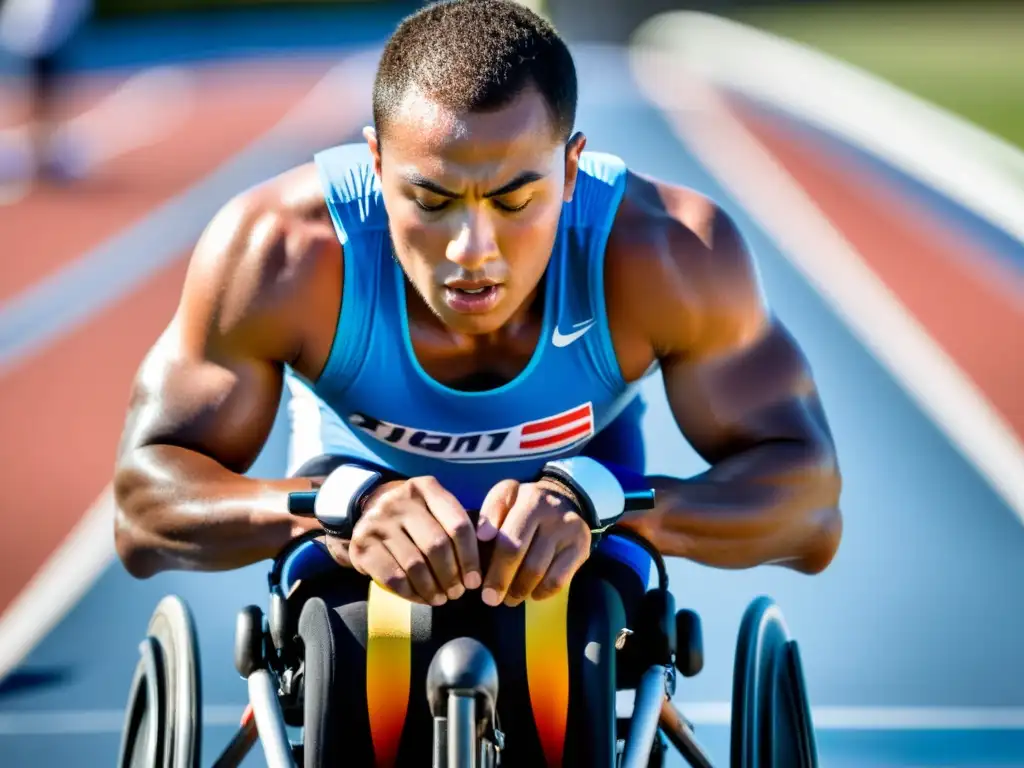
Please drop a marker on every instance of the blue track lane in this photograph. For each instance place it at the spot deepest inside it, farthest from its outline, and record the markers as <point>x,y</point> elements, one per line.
<point>920,608</point>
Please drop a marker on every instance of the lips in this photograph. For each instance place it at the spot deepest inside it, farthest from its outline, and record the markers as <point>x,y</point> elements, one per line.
<point>469,297</point>
<point>470,286</point>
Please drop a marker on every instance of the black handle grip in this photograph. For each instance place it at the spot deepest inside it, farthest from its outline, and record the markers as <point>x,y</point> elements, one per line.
<point>302,503</point>
<point>639,501</point>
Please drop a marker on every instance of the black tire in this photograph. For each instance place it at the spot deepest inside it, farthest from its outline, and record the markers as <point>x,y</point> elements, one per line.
<point>163,717</point>
<point>771,718</point>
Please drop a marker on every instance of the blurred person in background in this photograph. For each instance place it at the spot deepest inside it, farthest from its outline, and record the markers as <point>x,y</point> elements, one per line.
<point>37,32</point>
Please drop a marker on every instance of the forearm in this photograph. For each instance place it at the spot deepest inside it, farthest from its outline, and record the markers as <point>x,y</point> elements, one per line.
<point>776,503</point>
<point>180,510</point>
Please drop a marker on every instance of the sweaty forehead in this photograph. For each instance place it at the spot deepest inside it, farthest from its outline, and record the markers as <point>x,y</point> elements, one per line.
<point>437,139</point>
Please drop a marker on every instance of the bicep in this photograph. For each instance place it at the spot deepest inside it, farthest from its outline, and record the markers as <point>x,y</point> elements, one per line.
<point>220,406</point>
<point>737,378</point>
<point>212,381</point>
<point>760,391</point>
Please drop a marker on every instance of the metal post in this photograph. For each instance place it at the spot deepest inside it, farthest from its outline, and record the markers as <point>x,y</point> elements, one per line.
<point>643,726</point>
<point>674,725</point>
<point>269,720</point>
<point>462,745</point>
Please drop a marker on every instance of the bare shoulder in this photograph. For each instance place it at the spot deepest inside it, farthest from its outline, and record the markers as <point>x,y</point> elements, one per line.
<point>678,272</point>
<point>212,381</point>
<point>266,259</point>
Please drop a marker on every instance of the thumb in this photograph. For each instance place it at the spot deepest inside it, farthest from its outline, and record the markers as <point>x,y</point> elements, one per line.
<point>496,505</point>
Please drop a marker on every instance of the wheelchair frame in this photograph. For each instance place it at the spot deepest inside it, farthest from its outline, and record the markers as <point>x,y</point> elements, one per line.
<point>771,725</point>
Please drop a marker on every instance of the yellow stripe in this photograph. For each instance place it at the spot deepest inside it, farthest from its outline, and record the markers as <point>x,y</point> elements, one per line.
<point>388,669</point>
<point>547,671</point>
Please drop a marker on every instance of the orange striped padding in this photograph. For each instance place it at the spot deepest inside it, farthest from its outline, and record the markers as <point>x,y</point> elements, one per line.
<point>547,671</point>
<point>388,670</point>
<point>389,666</point>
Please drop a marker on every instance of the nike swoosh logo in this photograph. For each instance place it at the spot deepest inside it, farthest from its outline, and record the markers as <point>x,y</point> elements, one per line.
<point>560,339</point>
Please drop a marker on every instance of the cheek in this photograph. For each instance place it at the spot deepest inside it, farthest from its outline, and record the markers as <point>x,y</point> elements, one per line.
<point>417,246</point>
<point>530,241</point>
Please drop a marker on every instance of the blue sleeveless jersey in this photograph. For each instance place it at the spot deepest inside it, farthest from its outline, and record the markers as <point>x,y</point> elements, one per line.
<point>374,401</point>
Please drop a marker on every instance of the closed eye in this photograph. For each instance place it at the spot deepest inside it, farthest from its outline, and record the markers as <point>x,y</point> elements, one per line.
<point>443,204</point>
<point>511,208</point>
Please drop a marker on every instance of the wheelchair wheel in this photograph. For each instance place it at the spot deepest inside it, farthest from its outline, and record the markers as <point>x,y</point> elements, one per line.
<point>771,718</point>
<point>163,716</point>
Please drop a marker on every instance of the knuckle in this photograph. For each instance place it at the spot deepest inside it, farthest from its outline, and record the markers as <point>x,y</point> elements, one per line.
<point>507,547</point>
<point>417,569</point>
<point>426,483</point>
<point>518,592</point>
<point>396,583</point>
<point>555,585</point>
<point>529,574</point>
<point>539,593</point>
<point>507,490</point>
<point>462,530</point>
<point>534,493</point>
<point>437,548</point>
<point>381,508</point>
<point>359,544</point>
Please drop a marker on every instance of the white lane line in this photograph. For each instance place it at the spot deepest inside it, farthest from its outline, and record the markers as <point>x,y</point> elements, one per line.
<point>53,306</point>
<point>81,721</point>
<point>710,713</point>
<point>59,584</point>
<point>977,169</point>
<point>784,210</point>
<point>868,718</point>
<point>45,311</point>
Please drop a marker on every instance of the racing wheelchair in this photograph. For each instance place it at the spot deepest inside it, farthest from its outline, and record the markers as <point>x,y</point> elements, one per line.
<point>290,676</point>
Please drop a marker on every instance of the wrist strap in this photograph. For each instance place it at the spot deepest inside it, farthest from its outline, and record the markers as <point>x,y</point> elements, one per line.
<point>339,501</point>
<point>599,492</point>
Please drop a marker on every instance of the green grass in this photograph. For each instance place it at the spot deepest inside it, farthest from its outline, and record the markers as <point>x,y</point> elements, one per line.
<point>967,59</point>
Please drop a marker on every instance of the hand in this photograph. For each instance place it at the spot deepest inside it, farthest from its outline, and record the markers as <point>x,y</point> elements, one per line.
<point>415,539</point>
<point>540,541</point>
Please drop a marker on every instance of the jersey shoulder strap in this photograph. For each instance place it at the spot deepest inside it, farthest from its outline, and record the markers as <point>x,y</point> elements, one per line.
<point>351,189</point>
<point>356,206</point>
<point>600,185</point>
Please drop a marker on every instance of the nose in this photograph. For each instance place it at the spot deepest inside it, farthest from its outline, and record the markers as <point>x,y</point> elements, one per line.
<point>474,243</point>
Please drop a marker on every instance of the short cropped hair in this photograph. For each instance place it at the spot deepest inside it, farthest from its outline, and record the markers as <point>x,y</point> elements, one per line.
<point>476,56</point>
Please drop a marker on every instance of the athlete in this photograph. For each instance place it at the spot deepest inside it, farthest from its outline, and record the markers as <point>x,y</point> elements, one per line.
<point>38,32</point>
<point>459,303</point>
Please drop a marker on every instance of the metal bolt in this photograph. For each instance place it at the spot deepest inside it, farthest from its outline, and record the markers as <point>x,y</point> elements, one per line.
<point>620,640</point>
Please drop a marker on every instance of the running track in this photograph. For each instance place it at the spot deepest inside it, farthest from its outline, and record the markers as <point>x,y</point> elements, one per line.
<point>920,611</point>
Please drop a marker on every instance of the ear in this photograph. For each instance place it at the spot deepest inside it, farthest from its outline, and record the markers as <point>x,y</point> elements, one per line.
<point>374,144</point>
<point>573,151</point>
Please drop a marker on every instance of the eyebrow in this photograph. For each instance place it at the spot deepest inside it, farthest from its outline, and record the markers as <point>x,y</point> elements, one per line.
<point>527,177</point>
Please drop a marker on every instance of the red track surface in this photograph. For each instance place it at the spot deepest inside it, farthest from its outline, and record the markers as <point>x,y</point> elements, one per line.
<point>59,442</point>
<point>50,227</point>
<point>955,289</point>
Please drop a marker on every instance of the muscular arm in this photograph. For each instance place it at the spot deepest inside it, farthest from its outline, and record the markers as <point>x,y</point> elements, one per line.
<point>742,394</point>
<point>205,399</point>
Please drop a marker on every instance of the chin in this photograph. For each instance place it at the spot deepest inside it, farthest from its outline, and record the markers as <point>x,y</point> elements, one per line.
<point>472,324</point>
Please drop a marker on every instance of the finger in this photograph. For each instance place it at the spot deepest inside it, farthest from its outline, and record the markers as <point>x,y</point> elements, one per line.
<point>499,500</point>
<point>376,561</point>
<point>532,570</point>
<point>432,541</point>
<point>454,519</point>
<point>563,567</point>
<point>510,547</point>
<point>412,561</point>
